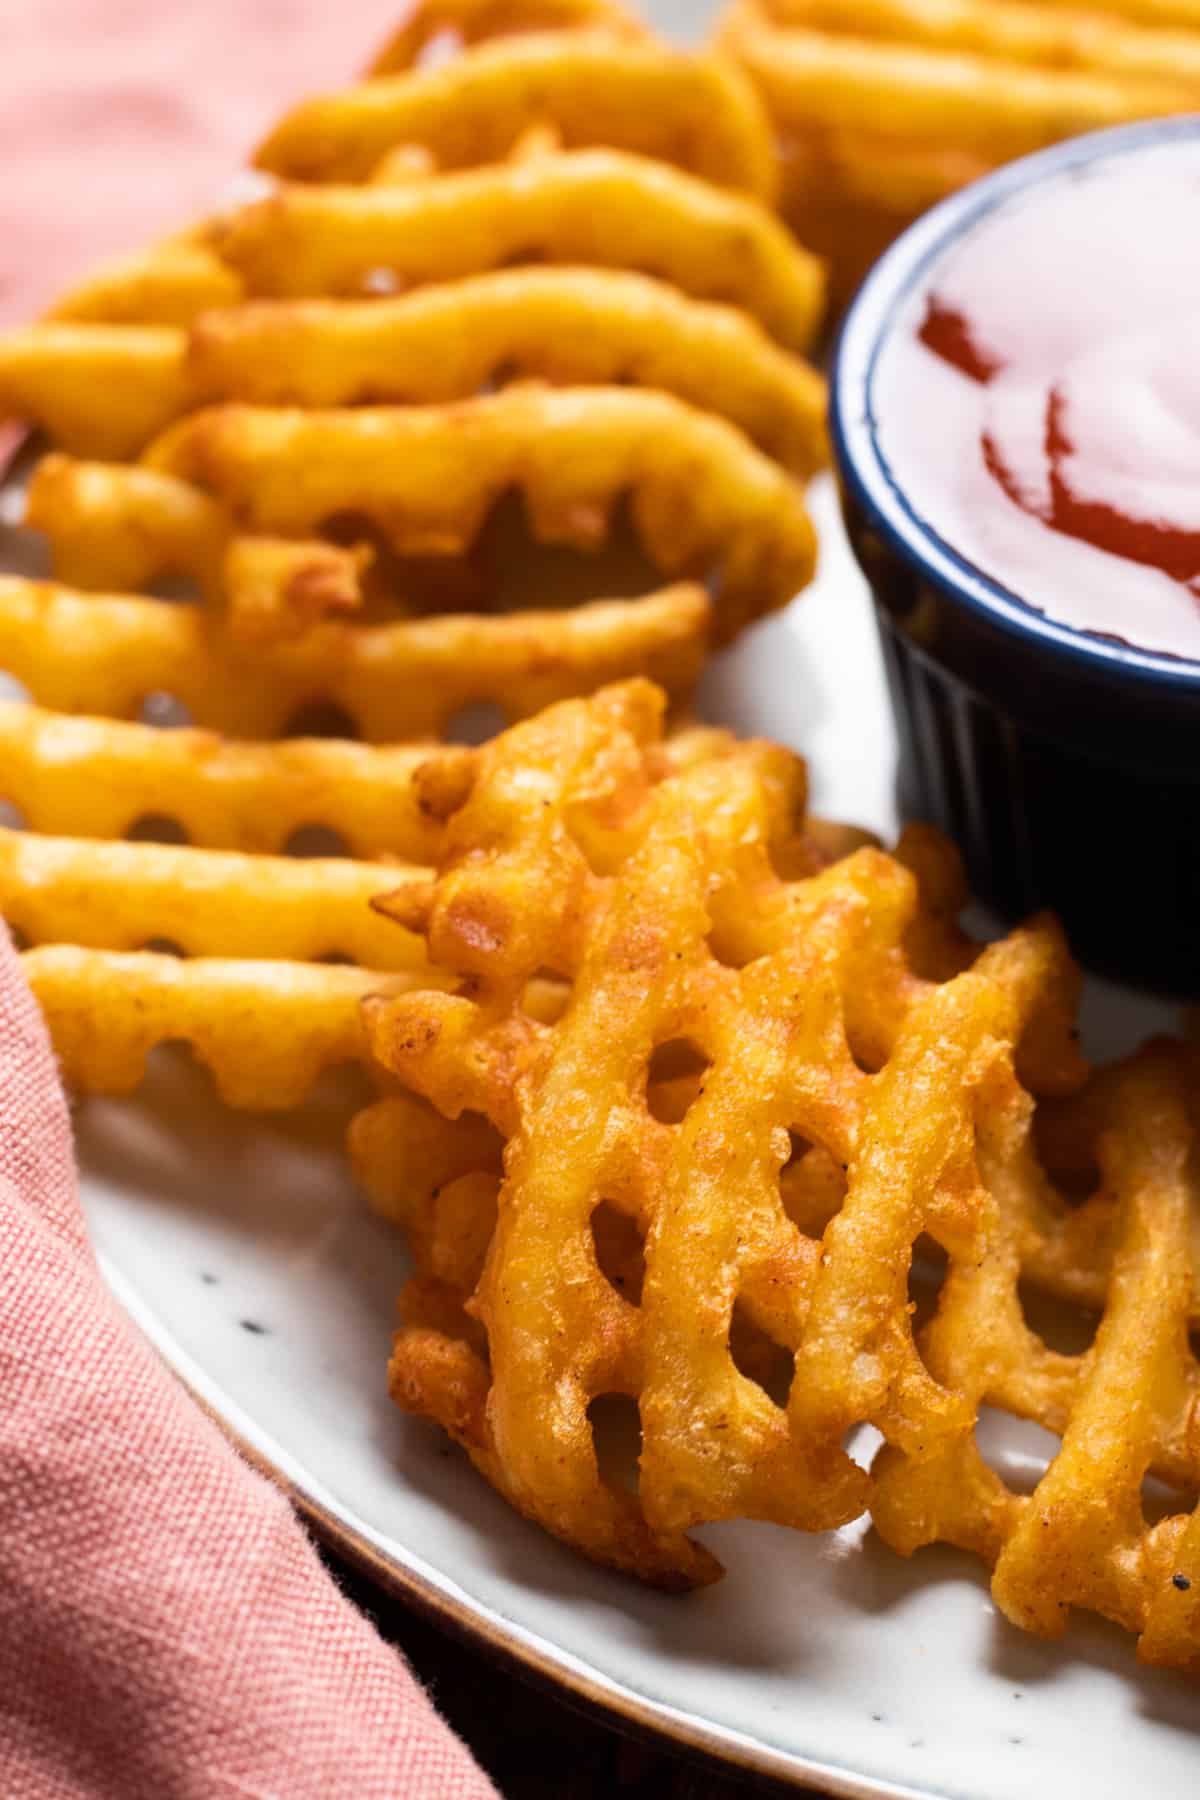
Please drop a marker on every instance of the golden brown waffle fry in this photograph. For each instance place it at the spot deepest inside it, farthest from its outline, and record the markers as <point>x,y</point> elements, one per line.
<point>913,1172</point>
<point>1081,1538</point>
<point>107,654</point>
<point>99,778</point>
<point>604,208</point>
<point>657,897</point>
<point>442,23</point>
<point>701,499</point>
<point>592,87</point>
<point>116,896</point>
<point>266,1030</point>
<point>564,326</point>
<point>438,1178</point>
<point>906,1084</point>
<point>882,109</point>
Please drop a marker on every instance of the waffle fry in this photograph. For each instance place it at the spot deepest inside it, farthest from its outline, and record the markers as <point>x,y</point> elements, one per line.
<point>701,497</point>
<point>562,326</point>
<point>106,654</point>
<point>265,1030</point>
<point>169,284</point>
<point>883,109</point>
<point>1081,1538</point>
<point>590,87</point>
<point>501,134</point>
<point>100,778</point>
<point>659,904</point>
<point>119,527</point>
<point>567,327</point>
<point>1063,36</point>
<point>117,896</point>
<point>602,208</point>
<point>657,898</point>
<point>113,526</point>
<point>438,1179</point>
<point>102,390</point>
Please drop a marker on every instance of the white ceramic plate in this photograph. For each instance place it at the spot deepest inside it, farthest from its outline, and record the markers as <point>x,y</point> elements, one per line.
<point>243,1251</point>
<point>241,1248</point>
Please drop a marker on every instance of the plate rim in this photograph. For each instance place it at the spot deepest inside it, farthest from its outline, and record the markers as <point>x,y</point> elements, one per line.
<point>515,1647</point>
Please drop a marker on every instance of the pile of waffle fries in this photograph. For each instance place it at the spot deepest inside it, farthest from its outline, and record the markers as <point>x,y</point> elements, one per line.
<point>773,1072</point>
<point>532,257</point>
<point>883,107</point>
<point>675,1084</point>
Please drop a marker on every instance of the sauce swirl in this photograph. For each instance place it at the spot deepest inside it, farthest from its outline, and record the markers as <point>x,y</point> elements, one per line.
<point>1039,398</point>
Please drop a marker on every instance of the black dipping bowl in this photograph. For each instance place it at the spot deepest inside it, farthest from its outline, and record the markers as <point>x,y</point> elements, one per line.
<point>1066,765</point>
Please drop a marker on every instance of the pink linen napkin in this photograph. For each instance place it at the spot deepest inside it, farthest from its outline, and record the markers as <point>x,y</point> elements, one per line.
<point>165,1626</point>
<point>121,120</point>
<point>166,1630</point>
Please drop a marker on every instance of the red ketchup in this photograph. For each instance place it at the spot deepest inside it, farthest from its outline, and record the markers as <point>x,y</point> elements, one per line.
<point>1039,401</point>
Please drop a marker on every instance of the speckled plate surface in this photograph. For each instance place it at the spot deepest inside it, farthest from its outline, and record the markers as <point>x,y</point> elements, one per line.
<point>244,1252</point>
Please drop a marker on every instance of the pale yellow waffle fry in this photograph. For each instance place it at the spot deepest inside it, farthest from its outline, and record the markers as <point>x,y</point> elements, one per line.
<point>438,23</point>
<point>102,778</point>
<point>118,896</point>
<point>265,1030</point>
<point>592,87</point>
<point>113,525</point>
<point>447,342</point>
<point>564,326</point>
<point>884,108</point>
<point>648,162</point>
<point>1082,1537</point>
<point>110,654</point>
<point>168,284</point>
<point>578,852</point>
<point>996,110</point>
<point>621,153</point>
<point>702,500</point>
<point>100,390</point>
<point>604,208</point>
<point>1066,36</point>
